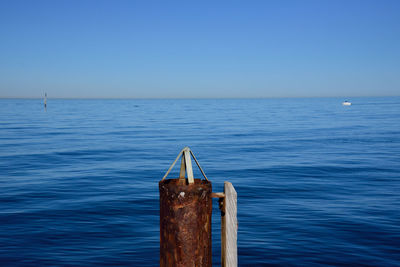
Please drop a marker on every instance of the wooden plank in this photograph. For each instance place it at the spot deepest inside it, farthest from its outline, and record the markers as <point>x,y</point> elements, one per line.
<point>189,168</point>
<point>183,168</point>
<point>229,227</point>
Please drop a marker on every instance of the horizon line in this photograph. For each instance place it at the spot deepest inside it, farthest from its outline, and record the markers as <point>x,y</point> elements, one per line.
<point>177,98</point>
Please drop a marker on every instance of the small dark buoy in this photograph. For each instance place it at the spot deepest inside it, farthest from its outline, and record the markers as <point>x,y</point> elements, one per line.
<point>45,100</point>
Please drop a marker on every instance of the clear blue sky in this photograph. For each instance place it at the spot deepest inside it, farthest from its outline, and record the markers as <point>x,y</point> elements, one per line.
<point>199,48</point>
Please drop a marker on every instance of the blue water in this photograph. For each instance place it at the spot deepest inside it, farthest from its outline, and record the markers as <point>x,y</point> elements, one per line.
<point>318,183</point>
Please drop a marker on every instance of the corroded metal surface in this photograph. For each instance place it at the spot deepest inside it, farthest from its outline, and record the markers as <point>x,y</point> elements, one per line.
<point>185,223</point>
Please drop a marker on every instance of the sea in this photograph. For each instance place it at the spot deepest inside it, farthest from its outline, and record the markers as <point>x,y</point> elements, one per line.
<point>318,183</point>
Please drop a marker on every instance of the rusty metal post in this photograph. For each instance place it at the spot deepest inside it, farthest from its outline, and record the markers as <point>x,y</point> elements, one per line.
<point>185,217</point>
<point>185,223</point>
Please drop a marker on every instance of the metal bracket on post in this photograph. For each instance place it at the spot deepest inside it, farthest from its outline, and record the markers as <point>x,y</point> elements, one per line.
<point>186,165</point>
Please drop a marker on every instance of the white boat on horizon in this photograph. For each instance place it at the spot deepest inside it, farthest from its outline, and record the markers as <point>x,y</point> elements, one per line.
<point>346,103</point>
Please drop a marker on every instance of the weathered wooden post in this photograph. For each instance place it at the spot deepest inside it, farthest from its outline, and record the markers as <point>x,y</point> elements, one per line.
<point>185,218</point>
<point>229,227</point>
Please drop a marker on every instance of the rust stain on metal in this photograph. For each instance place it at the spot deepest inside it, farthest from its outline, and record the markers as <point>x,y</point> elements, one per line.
<point>185,223</point>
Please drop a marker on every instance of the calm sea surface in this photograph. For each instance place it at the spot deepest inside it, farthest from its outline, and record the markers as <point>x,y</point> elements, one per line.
<point>318,183</point>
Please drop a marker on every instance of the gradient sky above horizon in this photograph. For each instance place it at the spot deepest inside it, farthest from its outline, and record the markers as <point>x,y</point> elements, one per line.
<point>194,49</point>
